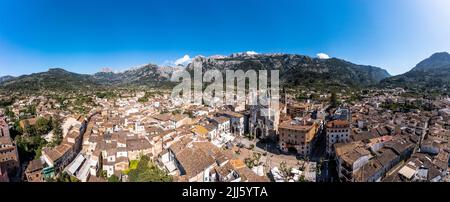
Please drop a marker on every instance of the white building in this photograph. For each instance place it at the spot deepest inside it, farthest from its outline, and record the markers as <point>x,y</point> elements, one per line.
<point>223,124</point>
<point>236,122</point>
<point>338,131</point>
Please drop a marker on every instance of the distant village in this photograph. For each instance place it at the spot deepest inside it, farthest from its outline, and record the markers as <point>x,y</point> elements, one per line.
<point>383,136</point>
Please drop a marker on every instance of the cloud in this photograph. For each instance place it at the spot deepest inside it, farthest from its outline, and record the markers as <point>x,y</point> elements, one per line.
<point>183,61</point>
<point>251,53</point>
<point>322,56</point>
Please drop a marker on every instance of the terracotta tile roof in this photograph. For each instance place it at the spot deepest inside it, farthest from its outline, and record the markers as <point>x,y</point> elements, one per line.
<point>194,161</point>
<point>338,123</point>
<point>57,152</point>
<point>138,144</point>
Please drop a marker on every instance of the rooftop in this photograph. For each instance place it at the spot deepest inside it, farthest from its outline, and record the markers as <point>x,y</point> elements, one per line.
<point>57,152</point>
<point>338,124</point>
<point>294,125</point>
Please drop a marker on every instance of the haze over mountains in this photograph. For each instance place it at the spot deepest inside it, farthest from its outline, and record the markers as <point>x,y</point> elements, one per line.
<point>295,70</point>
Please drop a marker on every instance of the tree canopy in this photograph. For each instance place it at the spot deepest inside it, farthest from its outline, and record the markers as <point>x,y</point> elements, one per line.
<point>147,171</point>
<point>57,132</point>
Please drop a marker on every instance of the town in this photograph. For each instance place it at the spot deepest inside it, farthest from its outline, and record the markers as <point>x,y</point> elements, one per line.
<point>374,135</point>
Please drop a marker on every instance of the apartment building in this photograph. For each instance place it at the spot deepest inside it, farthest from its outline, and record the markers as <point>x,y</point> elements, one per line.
<point>298,135</point>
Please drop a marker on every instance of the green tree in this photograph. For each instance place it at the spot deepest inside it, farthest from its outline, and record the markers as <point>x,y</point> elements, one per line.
<point>190,114</point>
<point>302,178</point>
<point>38,152</point>
<point>103,174</point>
<point>113,178</point>
<point>64,177</point>
<point>143,99</point>
<point>30,146</point>
<point>285,170</point>
<point>6,102</point>
<point>29,130</point>
<point>333,100</point>
<point>43,126</point>
<point>57,132</point>
<point>147,171</point>
<point>107,95</point>
<point>314,96</point>
<point>49,179</point>
<point>253,161</point>
<point>31,109</point>
<point>9,113</point>
<point>15,130</point>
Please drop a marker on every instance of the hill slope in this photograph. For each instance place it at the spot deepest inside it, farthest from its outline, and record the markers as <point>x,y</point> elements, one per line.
<point>430,74</point>
<point>5,79</point>
<point>299,70</point>
<point>55,78</point>
<point>295,70</point>
<point>145,75</point>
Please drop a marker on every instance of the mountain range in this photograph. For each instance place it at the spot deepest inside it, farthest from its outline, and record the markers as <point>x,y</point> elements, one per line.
<point>60,79</point>
<point>298,70</point>
<point>145,75</point>
<point>430,74</point>
<point>295,70</point>
<point>6,78</point>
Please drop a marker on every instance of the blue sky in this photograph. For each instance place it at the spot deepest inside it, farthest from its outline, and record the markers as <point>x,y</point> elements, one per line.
<point>85,36</point>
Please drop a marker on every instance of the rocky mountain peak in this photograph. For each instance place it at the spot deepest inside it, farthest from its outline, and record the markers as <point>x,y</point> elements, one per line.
<point>435,61</point>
